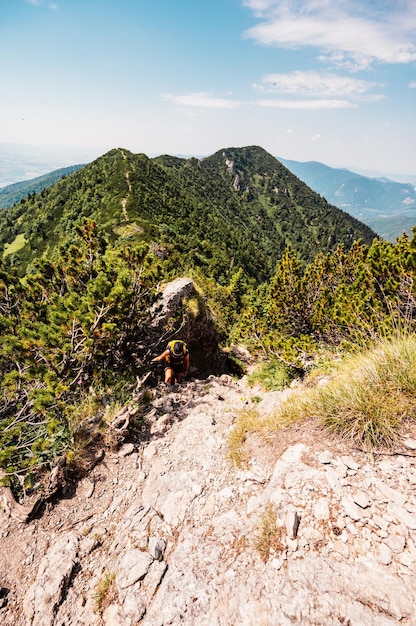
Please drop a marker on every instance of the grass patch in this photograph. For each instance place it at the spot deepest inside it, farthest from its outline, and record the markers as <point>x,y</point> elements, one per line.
<point>15,246</point>
<point>268,538</point>
<point>367,399</point>
<point>272,376</point>
<point>247,421</point>
<point>105,593</point>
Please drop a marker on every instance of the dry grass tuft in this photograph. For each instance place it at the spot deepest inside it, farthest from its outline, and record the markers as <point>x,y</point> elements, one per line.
<point>367,400</point>
<point>247,421</point>
<point>106,592</point>
<point>268,538</point>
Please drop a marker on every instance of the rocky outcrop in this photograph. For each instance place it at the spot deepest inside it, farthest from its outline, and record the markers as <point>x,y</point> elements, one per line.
<point>181,313</point>
<point>166,531</point>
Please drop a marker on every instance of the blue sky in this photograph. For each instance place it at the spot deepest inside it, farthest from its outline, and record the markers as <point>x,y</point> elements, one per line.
<point>326,80</point>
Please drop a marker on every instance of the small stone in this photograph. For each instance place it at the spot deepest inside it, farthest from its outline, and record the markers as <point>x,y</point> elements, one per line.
<point>400,514</point>
<point>406,559</point>
<point>341,470</point>
<point>321,509</point>
<point>395,542</point>
<point>276,563</point>
<point>385,555</point>
<point>361,499</point>
<point>292,521</point>
<point>325,457</point>
<point>341,548</point>
<point>350,463</point>
<point>126,449</point>
<point>386,467</point>
<point>332,478</point>
<point>391,495</point>
<point>410,443</point>
<point>380,521</point>
<point>157,547</point>
<point>352,529</point>
<point>351,509</point>
<point>133,566</point>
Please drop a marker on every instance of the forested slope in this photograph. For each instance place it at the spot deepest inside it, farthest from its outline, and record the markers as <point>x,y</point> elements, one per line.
<point>239,207</point>
<point>11,194</point>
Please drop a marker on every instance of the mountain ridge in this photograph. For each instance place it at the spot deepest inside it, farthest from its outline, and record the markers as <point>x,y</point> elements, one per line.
<point>257,206</point>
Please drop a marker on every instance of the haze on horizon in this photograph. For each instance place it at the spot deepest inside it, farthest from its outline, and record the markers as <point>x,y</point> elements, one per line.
<point>324,80</point>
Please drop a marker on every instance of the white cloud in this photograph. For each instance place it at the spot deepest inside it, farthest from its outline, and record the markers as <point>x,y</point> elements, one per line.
<point>306,104</point>
<point>315,91</point>
<point>314,84</point>
<point>40,3</point>
<point>412,84</point>
<point>347,33</point>
<point>201,99</point>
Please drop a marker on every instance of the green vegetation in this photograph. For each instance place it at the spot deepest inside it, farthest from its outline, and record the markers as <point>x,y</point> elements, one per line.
<point>341,299</point>
<point>205,215</point>
<point>368,398</point>
<point>273,375</point>
<point>15,246</point>
<point>282,271</point>
<point>106,592</point>
<point>67,328</point>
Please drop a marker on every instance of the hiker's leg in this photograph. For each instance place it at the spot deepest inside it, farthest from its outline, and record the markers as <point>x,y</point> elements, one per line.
<point>169,376</point>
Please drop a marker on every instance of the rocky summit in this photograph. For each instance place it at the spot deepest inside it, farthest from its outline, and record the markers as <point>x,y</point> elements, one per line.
<point>167,531</point>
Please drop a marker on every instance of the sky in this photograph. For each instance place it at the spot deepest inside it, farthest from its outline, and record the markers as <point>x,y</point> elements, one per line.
<point>332,81</point>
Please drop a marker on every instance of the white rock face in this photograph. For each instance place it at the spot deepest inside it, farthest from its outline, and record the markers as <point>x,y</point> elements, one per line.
<point>168,533</point>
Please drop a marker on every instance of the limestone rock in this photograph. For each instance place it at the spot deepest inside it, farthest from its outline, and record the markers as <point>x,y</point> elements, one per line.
<point>133,566</point>
<point>45,595</point>
<point>175,534</point>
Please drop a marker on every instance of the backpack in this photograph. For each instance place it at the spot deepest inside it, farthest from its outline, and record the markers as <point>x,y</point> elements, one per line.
<point>177,358</point>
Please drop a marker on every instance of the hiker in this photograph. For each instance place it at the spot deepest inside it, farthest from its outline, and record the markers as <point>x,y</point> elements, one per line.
<point>176,357</point>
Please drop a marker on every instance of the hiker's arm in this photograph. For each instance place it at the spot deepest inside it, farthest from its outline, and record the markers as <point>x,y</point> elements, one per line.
<point>186,364</point>
<point>161,356</point>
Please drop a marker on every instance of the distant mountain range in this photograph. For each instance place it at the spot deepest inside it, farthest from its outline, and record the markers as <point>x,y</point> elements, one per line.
<point>11,194</point>
<point>388,207</point>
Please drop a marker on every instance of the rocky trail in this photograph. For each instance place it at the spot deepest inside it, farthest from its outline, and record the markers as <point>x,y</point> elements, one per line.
<point>163,530</point>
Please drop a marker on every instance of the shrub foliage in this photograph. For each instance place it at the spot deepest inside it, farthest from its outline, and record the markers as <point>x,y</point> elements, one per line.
<point>70,325</point>
<point>283,272</point>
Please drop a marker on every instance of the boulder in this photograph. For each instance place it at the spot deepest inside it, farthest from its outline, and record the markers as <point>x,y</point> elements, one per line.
<point>182,313</point>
